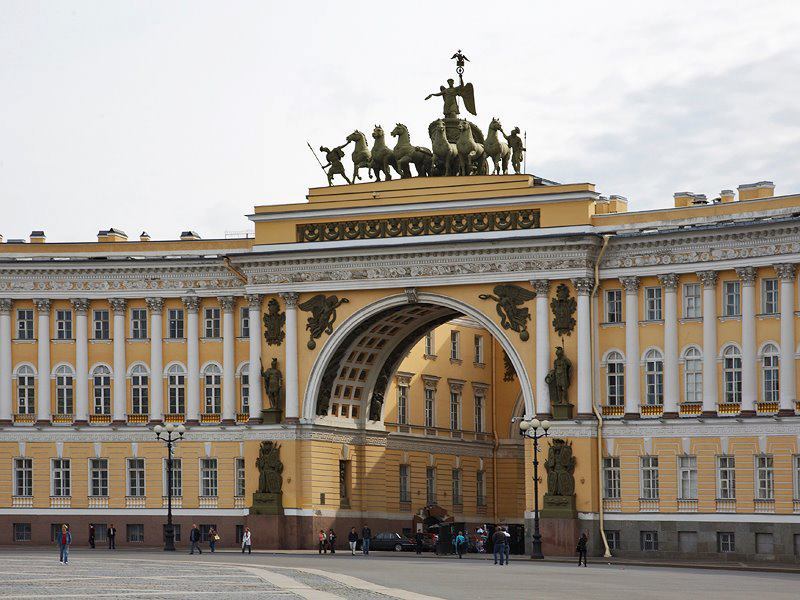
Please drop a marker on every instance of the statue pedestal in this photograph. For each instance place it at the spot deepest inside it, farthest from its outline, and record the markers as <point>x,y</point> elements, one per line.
<point>559,507</point>
<point>271,416</point>
<point>561,412</point>
<point>267,504</point>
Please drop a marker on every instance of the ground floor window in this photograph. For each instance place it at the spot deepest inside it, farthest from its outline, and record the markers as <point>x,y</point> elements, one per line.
<point>239,533</point>
<point>204,529</point>
<point>176,532</point>
<point>22,532</point>
<point>648,541</point>
<point>135,532</point>
<point>612,537</point>
<point>726,541</point>
<point>100,532</point>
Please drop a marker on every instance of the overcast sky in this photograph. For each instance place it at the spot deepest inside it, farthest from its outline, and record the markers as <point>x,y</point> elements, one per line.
<point>165,116</point>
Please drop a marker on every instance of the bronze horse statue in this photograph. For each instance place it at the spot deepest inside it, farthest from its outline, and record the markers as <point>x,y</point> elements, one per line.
<point>405,154</point>
<point>361,156</point>
<point>445,153</point>
<point>495,148</point>
<point>471,154</point>
<point>382,155</point>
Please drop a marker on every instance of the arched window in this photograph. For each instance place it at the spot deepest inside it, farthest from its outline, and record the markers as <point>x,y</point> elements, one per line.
<point>212,376</point>
<point>615,372</point>
<point>732,374</point>
<point>693,375</point>
<point>244,388</point>
<point>140,390</point>
<point>65,378</point>
<point>654,377</point>
<point>176,389</point>
<point>26,390</point>
<point>101,381</point>
<point>769,362</point>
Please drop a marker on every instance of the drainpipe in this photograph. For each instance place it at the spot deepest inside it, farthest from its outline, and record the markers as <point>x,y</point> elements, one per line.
<point>496,442</point>
<point>595,407</point>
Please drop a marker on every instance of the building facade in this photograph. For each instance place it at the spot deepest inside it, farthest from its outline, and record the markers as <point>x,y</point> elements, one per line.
<point>402,375</point>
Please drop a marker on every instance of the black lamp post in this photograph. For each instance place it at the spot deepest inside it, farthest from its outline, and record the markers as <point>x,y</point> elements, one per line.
<point>530,429</point>
<point>169,434</point>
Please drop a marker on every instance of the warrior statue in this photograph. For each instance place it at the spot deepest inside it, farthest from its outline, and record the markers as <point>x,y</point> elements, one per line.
<point>517,149</point>
<point>273,383</point>
<point>558,379</point>
<point>334,158</point>
<point>270,468</point>
<point>560,466</point>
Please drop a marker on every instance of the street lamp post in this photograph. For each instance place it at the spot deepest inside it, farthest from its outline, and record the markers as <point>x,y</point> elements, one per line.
<point>169,434</point>
<point>530,429</point>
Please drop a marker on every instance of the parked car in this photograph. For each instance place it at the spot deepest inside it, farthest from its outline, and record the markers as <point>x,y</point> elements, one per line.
<point>386,540</point>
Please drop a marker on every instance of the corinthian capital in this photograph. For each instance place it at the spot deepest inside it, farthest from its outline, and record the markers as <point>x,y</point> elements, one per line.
<point>541,286</point>
<point>155,305</point>
<point>227,303</point>
<point>254,300</point>
<point>42,305</point>
<point>290,298</point>
<point>747,275</point>
<point>118,305</point>
<point>669,281</point>
<point>192,303</point>
<point>5,305</point>
<point>583,285</point>
<point>709,278</point>
<point>81,305</point>
<point>630,283</point>
<point>786,271</point>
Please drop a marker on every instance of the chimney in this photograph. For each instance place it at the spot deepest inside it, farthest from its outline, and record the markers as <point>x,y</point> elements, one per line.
<point>37,237</point>
<point>144,237</point>
<point>617,204</point>
<point>683,199</point>
<point>726,196</point>
<point>601,206</point>
<point>755,191</point>
<point>111,235</point>
<point>187,236</point>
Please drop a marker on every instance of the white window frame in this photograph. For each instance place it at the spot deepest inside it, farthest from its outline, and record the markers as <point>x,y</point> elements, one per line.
<point>176,389</point>
<point>244,321</point>
<point>648,477</point>
<point>101,390</point>
<point>648,541</point>
<point>687,477</point>
<point>770,296</point>
<point>479,358</point>
<point>26,390</point>
<point>98,477</point>
<point>240,473</point>
<point>726,541</point>
<point>654,377</point>
<point>176,324</point>
<point>764,477</point>
<point>101,324</point>
<point>23,477</point>
<point>402,404</point>
<point>455,410</point>
<point>25,324</point>
<point>60,477</point>
<point>692,301</point>
<point>732,375</point>
<point>693,375</point>
<point>209,477</point>
<point>480,397</point>
<point>612,478</point>
<point>138,323</point>
<point>212,318</point>
<point>455,345</point>
<point>654,302</point>
<point>177,477</point>
<point>212,389</point>
<point>726,477</point>
<point>64,330</point>
<point>615,379</point>
<point>430,407</point>
<point>614,305</point>
<point>731,298</point>
<point>135,479</point>
<point>430,344</point>
<point>770,373</point>
<point>244,388</point>
<point>140,390</point>
<point>65,390</point>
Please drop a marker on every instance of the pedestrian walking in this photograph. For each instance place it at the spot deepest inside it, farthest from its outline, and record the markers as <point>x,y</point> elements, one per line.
<point>366,538</point>
<point>112,537</point>
<point>352,539</point>
<point>581,548</point>
<point>419,541</point>
<point>64,541</point>
<point>332,540</point>
<point>213,538</point>
<point>323,542</point>
<point>499,545</point>
<point>461,543</point>
<point>246,541</point>
<point>91,536</point>
<point>508,542</point>
<point>194,540</point>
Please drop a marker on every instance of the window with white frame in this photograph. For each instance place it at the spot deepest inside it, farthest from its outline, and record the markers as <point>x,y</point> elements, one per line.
<point>693,375</point>
<point>654,377</point>
<point>732,374</point>
<point>687,478</point>
<point>136,477</point>
<point>615,379</point>
<point>649,475</point>
<point>770,297</point>
<point>731,299</point>
<point>208,476</point>
<point>726,541</point>
<point>25,324</point>
<point>614,306</point>
<point>480,480</point>
<point>769,363</point>
<point>405,483</point>
<point>101,324</point>
<point>765,478</point>
<point>479,402</point>
<point>177,477</point>
<point>63,324</point>
<point>134,532</point>
<point>648,541</point>
<point>23,477</point>
<point>653,303</point>
<point>726,478</point>
<point>98,477</point>
<point>796,476</point>
<point>176,389</point>
<point>140,381</point>
<point>430,348</point>
<point>22,532</point>
<point>479,349</point>
<point>455,345</point>
<point>139,323</point>
<point>240,477</point>
<point>455,409</point>
<point>244,322</point>
<point>430,485</point>
<point>613,539</point>
<point>692,303</point>
<point>402,404</point>
<point>65,378</point>
<point>212,379</point>
<point>244,387</point>
<point>101,387</point>
<point>26,390</point>
<point>430,400</point>
<point>60,480</point>
<point>212,322</point>
<point>175,323</point>
<point>611,478</point>
<point>456,487</point>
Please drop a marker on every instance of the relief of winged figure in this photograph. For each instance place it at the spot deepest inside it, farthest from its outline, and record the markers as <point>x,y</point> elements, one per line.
<point>323,315</point>
<point>513,315</point>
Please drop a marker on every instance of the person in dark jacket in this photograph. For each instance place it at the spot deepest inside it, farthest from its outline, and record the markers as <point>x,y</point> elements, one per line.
<point>194,539</point>
<point>332,540</point>
<point>112,537</point>
<point>419,541</point>
<point>213,538</point>
<point>91,536</point>
<point>581,548</point>
<point>366,538</point>
<point>352,539</point>
<point>499,545</point>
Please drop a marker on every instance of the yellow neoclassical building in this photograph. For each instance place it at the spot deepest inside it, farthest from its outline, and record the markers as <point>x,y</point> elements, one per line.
<point>413,326</point>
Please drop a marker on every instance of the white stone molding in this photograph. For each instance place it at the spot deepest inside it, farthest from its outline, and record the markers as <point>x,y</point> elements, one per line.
<point>80,305</point>
<point>290,299</point>
<point>254,356</point>
<point>584,287</point>
<point>228,359</point>
<point>669,281</point>
<point>42,305</point>
<point>192,304</point>
<point>43,359</point>
<point>118,305</point>
<point>254,301</point>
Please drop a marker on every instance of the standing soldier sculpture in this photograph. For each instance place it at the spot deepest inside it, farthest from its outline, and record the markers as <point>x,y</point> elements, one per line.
<point>517,148</point>
<point>273,383</point>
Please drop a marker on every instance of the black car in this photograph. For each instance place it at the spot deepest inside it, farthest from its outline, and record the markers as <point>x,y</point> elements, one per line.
<point>386,540</point>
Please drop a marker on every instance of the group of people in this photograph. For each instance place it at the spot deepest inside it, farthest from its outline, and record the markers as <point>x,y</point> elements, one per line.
<point>64,540</point>
<point>196,536</point>
<point>327,540</point>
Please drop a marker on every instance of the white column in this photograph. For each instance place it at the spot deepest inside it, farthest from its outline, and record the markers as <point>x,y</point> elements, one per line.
<point>542,289</point>
<point>747,275</point>
<point>192,304</point>
<point>710,349</point>
<point>43,358</point>
<point>583,288</point>
<point>228,303</point>
<point>254,308</point>
<point>292,410</point>
<point>81,308</point>
<point>120,404</point>
<point>671,351</point>
<point>6,397</point>
<point>156,308</point>
<point>787,382</point>
<point>632,374</point>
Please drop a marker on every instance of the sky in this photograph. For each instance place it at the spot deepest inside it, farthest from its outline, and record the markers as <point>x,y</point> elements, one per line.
<point>166,116</point>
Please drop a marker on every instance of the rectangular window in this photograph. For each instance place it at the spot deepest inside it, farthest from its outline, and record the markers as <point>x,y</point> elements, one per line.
<point>63,324</point>
<point>134,532</point>
<point>344,483</point>
<point>796,475</point>
<point>731,298</point>
<point>26,391</point>
<point>61,481</point>
<point>240,481</point>
<point>692,307</point>
<point>687,477</point>
<point>205,529</point>
<point>455,410</point>
<point>101,324</point>
<point>726,478</point>
<point>648,541</point>
<point>649,474</point>
<point>770,297</point>
<point>136,477</point>
<point>652,297</point>
<point>612,537</point>
<point>430,397</point>
<point>726,542</point>
<point>455,345</point>
<point>25,324</point>
<point>611,478</point>
<point>208,477</point>
<point>765,478</point>
<point>245,389</point>
<point>22,532</point>
<point>405,483</point>
<point>176,532</point>
<point>239,534</point>
<point>430,485</point>
<point>765,543</point>
<point>175,322</point>
<point>98,477</point>
<point>479,349</point>
<point>615,370</point>
<point>212,327</point>
<point>480,478</point>
<point>23,477</point>
<point>430,348</point>
<point>177,478</point>
<point>457,486</point>
<point>244,322</point>
<point>402,404</point>
<point>139,323</point>
<point>479,412</point>
<point>614,306</point>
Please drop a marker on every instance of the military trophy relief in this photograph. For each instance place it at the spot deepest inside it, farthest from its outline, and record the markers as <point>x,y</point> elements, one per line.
<point>559,500</point>
<point>558,379</point>
<point>268,499</point>
<point>323,316</point>
<point>458,146</point>
<point>274,321</point>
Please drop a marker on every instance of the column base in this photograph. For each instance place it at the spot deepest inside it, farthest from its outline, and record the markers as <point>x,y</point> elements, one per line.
<point>709,414</point>
<point>228,422</point>
<point>254,421</point>
<point>80,422</point>
<point>747,413</point>
<point>191,422</point>
<point>42,423</point>
<point>118,423</point>
<point>786,412</point>
<point>631,416</point>
<point>669,415</point>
